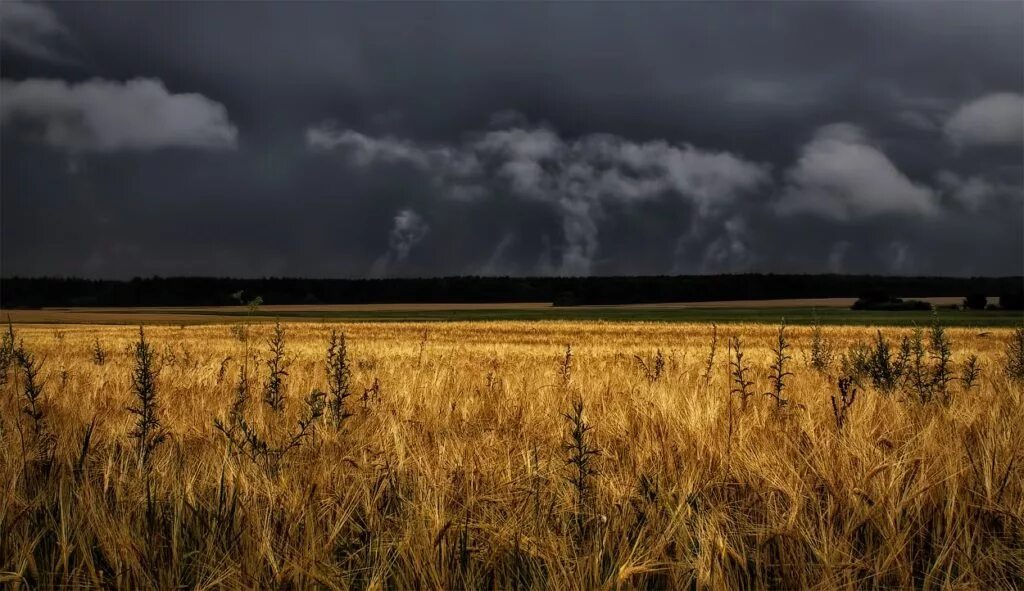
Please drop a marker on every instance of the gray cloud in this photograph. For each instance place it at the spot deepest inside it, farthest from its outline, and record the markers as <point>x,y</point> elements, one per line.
<point>495,262</point>
<point>33,29</point>
<point>917,120</point>
<point>408,231</point>
<point>730,251</point>
<point>899,255</point>
<point>837,255</point>
<point>994,119</point>
<point>976,192</point>
<point>578,177</point>
<point>106,116</point>
<point>449,168</point>
<point>841,175</point>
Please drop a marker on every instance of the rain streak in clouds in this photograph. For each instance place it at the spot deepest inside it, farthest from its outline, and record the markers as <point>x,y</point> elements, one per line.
<point>575,178</point>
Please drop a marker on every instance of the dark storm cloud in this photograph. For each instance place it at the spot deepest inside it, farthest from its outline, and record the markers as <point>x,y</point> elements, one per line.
<point>482,138</point>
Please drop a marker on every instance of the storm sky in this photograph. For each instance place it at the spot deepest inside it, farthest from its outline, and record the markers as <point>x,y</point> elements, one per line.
<point>407,139</point>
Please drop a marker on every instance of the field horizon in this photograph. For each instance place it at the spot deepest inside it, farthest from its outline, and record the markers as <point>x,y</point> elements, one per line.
<point>803,311</point>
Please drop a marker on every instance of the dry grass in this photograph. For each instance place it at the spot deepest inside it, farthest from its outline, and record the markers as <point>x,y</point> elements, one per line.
<point>454,474</point>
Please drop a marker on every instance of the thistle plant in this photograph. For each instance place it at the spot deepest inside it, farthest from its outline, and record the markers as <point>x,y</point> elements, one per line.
<point>582,453</point>
<point>855,362</point>
<point>245,439</point>
<point>886,368</point>
<point>918,378</point>
<point>339,377</point>
<point>971,373</point>
<point>99,355</point>
<point>778,369</point>
<point>148,431</point>
<point>738,370</point>
<point>565,369</point>
<point>929,368</point>
<point>32,392</point>
<point>259,445</point>
<point>315,404</point>
<point>273,388</point>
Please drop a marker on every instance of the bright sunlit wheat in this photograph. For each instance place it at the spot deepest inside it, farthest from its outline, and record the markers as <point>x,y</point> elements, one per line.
<point>451,463</point>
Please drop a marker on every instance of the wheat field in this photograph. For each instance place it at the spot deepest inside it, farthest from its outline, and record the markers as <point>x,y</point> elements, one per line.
<point>481,455</point>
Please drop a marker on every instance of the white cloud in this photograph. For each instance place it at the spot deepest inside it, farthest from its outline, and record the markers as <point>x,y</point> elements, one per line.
<point>32,29</point>
<point>840,175</point>
<point>576,176</point>
<point>995,119</point>
<point>106,116</point>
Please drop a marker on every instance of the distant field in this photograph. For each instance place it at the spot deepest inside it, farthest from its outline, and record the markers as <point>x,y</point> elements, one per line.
<point>795,311</point>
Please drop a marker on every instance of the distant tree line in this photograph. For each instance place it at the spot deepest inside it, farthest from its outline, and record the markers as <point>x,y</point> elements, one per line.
<point>21,292</point>
<point>889,303</point>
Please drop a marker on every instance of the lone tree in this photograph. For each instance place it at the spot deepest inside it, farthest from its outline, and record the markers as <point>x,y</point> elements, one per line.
<point>975,301</point>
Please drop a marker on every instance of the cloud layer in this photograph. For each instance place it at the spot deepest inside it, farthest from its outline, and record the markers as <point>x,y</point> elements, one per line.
<point>578,177</point>
<point>106,116</point>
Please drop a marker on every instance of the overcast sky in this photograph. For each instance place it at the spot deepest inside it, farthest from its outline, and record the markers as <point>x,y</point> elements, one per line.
<point>407,139</point>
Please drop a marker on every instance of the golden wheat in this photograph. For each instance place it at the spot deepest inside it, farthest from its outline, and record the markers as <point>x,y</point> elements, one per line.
<point>452,472</point>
